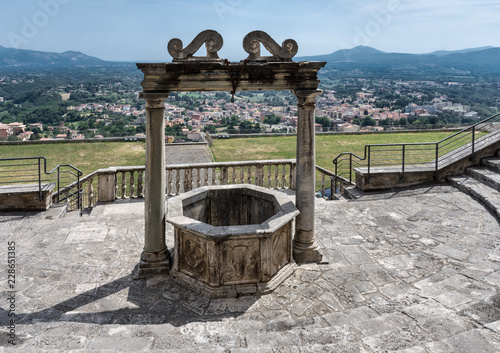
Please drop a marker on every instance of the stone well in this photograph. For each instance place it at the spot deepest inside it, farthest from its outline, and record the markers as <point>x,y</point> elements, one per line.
<point>232,240</point>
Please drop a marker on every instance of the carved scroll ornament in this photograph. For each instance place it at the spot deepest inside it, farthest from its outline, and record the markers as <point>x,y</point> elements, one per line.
<point>285,52</point>
<point>213,42</point>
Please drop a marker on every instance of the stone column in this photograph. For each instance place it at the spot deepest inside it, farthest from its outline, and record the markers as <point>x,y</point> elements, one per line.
<point>305,248</point>
<point>155,256</point>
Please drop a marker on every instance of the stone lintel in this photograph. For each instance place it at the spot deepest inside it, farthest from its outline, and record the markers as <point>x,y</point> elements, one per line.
<point>215,76</point>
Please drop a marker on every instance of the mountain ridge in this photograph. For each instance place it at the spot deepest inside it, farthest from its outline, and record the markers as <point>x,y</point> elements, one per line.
<point>361,58</point>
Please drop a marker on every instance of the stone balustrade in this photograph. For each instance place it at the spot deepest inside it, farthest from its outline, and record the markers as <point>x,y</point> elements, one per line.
<point>110,184</point>
<point>322,178</point>
<point>116,183</point>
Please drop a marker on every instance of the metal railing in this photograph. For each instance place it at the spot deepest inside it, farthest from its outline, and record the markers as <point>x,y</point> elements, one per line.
<point>401,157</point>
<point>17,173</point>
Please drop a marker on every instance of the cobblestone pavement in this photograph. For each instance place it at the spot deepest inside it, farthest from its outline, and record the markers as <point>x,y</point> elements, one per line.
<point>187,154</point>
<point>416,271</point>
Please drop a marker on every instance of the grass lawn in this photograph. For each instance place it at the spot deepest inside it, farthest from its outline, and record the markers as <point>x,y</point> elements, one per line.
<point>87,157</point>
<point>327,146</point>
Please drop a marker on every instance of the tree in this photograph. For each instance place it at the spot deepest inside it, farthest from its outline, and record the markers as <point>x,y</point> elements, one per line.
<point>324,121</point>
<point>12,138</point>
<point>210,129</point>
<point>368,121</point>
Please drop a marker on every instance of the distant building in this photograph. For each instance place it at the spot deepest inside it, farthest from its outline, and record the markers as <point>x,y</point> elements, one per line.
<point>17,127</point>
<point>194,136</point>
<point>5,131</point>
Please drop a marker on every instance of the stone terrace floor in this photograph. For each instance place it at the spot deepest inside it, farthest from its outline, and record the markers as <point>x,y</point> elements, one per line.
<point>413,271</point>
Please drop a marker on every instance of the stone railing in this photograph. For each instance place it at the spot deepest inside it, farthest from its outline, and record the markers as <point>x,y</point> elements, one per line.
<point>323,181</point>
<point>115,183</point>
<point>273,174</point>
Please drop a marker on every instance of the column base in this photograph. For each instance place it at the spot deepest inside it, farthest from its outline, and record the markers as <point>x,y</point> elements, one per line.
<point>306,253</point>
<point>152,264</point>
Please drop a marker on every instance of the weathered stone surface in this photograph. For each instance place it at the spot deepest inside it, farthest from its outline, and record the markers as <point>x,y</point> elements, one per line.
<point>26,197</point>
<point>82,296</point>
<point>232,240</point>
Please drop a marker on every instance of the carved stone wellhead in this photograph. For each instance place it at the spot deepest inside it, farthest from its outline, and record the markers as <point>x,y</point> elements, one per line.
<point>251,43</point>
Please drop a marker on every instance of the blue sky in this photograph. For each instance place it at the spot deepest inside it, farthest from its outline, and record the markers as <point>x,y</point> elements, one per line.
<point>126,30</point>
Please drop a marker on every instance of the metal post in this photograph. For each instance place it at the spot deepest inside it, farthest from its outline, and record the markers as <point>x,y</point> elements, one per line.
<point>403,161</point>
<point>437,160</point>
<point>58,186</point>
<point>350,168</point>
<point>39,181</point>
<point>336,175</point>
<point>473,142</point>
<point>369,156</point>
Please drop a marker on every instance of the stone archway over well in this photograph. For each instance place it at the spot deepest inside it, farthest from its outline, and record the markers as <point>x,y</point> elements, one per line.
<point>210,73</point>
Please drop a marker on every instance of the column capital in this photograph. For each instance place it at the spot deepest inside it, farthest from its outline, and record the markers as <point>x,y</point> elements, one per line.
<point>307,97</point>
<point>154,100</point>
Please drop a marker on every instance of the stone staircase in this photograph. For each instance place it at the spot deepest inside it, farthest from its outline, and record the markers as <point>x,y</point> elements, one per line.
<point>482,183</point>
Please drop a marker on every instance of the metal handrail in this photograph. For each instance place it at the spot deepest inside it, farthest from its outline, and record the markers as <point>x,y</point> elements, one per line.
<point>440,151</point>
<point>36,174</point>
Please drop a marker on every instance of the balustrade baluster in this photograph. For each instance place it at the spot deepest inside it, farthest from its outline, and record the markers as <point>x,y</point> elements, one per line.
<point>214,176</point>
<point>116,186</point>
<point>188,180</point>
<point>132,184</point>
<point>323,185</point>
<point>91,194</point>
<point>234,176</point>
<point>283,176</point>
<point>124,187</point>
<point>224,177</point>
<point>259,176</point>
<point>292,177</point>
<point>249,175</point>
<point>205,176</point>
<point>177,181</point>
<point>242,175</point>
<point>269,176</point>
<point>198,178</point>
<point>276,180</point>
<point>168,175</point>
<point>139,185</point>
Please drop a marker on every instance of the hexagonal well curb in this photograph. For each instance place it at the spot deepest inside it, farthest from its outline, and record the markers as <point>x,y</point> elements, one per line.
<point>232,240</point>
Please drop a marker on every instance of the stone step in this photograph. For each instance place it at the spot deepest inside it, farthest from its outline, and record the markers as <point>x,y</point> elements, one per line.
<point>480,191</point>
<point>493,163</point>
<point>56,210</point>
<point>353,192</point>
<point>486,175</point>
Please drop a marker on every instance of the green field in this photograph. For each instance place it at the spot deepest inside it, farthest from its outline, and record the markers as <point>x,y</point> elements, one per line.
<point>327,146</point>
<point>89,157</point>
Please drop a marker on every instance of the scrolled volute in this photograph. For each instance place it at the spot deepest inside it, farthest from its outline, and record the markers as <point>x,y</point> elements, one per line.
<point>285,52</point>
<point>213,43</point>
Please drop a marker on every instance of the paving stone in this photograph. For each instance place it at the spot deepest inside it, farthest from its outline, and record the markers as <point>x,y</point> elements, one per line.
<point>439,322</point>
<point>387,254</point>
<point>399,339</point>
<point>470,341</point>
<point>451,252</point>
<point>283,339</point>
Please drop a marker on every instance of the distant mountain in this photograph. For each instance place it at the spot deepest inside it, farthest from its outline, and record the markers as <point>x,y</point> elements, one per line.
<point>22,59</point>
<point>367,60</point>
<point>463,51</point>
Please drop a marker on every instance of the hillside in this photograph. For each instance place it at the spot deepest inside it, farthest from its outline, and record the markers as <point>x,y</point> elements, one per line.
<point>361,59</point>
<point>32,60</point>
